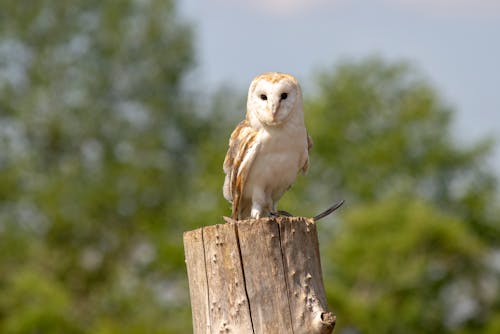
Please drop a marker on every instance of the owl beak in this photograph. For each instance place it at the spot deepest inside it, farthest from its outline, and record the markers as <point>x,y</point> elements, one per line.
<point>275,109</point>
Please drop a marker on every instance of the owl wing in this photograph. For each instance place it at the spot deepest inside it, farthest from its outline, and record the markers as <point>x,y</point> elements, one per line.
<point>309,146</point>
<point>243,148</point>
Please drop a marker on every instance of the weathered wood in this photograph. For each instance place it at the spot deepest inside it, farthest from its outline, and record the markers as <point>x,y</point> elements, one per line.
<point>198,285</point>
<point>228,304</point>
<point>257,276</point>
<point>303,268</point>
<point>264,276</point>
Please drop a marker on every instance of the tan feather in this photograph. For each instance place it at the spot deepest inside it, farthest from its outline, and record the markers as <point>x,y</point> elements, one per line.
<point>305,168</point>
<point>240,155</point>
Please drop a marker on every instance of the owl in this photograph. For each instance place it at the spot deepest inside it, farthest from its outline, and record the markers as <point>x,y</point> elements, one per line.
<point>268,149</point>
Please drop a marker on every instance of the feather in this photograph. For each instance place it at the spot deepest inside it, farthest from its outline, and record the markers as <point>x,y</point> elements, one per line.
<point>243,148</point>
<point>305,168</point>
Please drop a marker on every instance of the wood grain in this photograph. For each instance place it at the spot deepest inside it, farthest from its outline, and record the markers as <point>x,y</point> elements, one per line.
<point>228,303</point>
<point>257,276</point>
<point>198,285</point>
<point>301,259</point>
<point>264,276</point>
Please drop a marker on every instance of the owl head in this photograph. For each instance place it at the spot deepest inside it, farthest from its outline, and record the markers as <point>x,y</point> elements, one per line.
<point>273,98</point>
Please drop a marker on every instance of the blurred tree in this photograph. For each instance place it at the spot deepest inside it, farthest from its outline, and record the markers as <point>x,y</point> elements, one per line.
<point>400,266</point>
<point>96,156</point>
<point>381,127</point>
<point>416,249</point>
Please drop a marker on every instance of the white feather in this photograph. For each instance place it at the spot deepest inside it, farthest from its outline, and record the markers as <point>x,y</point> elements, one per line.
<point>276,145</point>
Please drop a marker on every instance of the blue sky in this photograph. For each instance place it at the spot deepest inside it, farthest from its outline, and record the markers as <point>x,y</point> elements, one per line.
<point>456,43</point>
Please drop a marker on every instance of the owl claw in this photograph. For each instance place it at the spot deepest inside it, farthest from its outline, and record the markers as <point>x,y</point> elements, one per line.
<point>255,213</point>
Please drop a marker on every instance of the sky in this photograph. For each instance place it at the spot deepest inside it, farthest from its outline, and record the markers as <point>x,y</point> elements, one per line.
<point>454,43</point>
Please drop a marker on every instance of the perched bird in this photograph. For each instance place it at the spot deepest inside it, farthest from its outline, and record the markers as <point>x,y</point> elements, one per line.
<point>268,149</point>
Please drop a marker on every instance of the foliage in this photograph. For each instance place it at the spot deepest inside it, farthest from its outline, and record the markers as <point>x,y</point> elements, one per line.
<point>94,128</point>
<point>400,270</point>
<point>411,252</point>
<point>106,158</point>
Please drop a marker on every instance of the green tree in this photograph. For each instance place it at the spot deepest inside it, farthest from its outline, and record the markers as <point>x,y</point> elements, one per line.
<point>421,221</point>
<point>94,129</point>
<point>400,265</point>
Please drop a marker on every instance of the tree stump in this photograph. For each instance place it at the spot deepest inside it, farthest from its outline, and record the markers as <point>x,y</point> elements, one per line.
<point>257,276</point>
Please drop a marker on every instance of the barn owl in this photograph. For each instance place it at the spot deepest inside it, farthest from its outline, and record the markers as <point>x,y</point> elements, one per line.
<point>268,149</point>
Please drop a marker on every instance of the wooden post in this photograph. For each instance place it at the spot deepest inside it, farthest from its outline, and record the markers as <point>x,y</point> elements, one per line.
<point>257,276</point>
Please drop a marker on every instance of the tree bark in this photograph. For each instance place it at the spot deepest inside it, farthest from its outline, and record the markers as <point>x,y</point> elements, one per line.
<point>257,276</point>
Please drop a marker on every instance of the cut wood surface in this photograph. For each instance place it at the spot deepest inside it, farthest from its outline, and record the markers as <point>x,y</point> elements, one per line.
<point>257,276</point>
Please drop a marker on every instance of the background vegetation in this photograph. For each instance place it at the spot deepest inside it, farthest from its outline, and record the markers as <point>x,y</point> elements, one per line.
<point>107,155</point>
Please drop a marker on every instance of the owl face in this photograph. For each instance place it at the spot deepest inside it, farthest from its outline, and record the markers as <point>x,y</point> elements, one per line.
<point>273,98</point>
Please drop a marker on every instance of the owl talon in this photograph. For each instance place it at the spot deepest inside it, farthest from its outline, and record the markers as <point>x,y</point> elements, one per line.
<point>255,213</point>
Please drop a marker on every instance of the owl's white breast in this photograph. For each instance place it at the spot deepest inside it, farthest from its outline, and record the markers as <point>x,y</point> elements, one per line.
<point>282,153</point>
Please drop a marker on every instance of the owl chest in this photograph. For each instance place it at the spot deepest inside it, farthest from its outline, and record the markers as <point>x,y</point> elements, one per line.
<point>279,159</point>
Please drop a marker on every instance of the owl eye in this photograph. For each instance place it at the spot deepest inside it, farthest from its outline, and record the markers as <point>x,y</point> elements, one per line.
<point>284,96</point>
<point>263,97</point>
